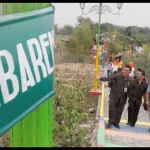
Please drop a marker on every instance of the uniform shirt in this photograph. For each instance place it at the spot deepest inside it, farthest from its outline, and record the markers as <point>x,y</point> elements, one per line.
<point>137,90</point>
<point>117,90</point>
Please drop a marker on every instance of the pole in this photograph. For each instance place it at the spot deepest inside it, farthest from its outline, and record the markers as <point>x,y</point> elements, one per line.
<point>35,130</point>
<point>97,50</point>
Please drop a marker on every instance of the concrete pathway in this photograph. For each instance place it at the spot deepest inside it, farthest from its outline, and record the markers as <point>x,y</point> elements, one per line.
<point>126,136</point>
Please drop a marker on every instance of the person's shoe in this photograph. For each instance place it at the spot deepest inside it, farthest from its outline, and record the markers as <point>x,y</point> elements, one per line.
<point>132,125</point>
<point>108,125</point>
<point>128,123</point>
<point>117,126</point>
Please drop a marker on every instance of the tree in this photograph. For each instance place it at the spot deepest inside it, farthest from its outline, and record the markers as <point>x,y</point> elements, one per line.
<point>93,25</point>
<point>80,20</point>
<point>146,49</point>
<point>140,39</point>
<point>115,48</point>
<point>107,27</point>
<point>66,30</point>
<point>145,31</point>
<point>81,39</point>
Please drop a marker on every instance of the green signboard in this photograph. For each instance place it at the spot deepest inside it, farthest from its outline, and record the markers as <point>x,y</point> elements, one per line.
<point>26,63</point>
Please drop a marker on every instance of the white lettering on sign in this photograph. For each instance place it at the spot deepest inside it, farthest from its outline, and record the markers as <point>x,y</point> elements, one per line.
<point>39,59</point>
<point>24,69</point>
<point>9,75</point>
<point>36,62</point>
<point>44,44</point>
<point>51,42</point>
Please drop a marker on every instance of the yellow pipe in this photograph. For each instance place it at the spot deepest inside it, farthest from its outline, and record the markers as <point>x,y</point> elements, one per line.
<point>97,50</point>
<point>96,68</point>
<point>102,101</point>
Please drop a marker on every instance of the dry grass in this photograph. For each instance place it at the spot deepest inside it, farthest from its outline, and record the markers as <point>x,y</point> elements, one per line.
<point>4,140</point>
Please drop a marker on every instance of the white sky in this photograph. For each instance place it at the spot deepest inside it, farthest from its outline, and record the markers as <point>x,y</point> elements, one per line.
<point>131,14</point>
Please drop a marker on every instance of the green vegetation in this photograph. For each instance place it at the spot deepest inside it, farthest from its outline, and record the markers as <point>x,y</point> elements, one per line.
<point>80,40</point>
<point>82,36</point>
<point>70,111</point>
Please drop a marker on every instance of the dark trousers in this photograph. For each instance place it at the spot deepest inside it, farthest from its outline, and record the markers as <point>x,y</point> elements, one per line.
<point>108,73</point>
<point>133,111</point>
<point>115,111</point>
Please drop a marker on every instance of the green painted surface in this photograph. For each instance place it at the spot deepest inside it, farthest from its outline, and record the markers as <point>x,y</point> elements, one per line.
<point>101,136</point>
<point>113,145</point>
<point>35,129</point>
<point>12,8</point>
<point>15,135</point>
<point>99,25</point>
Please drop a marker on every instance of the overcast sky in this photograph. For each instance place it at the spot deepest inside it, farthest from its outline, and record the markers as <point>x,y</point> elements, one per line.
<point>131,14</point>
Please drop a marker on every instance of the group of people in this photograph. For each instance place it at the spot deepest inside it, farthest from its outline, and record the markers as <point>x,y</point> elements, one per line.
<point>114,62</point>
<point>126,86</point>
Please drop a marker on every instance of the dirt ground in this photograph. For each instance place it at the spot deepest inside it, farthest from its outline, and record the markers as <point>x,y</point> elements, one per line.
<point>4,140</point>
<point>73,66</point>
<point>67,71</point>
